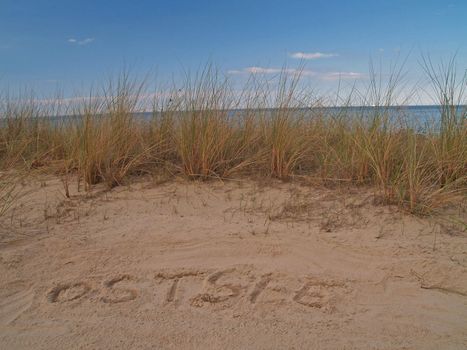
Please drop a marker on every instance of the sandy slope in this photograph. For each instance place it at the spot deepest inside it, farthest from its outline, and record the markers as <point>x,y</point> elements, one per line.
<point>228,266</point>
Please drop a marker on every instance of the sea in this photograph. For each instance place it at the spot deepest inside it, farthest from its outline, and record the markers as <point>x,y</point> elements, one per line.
<point>420,117</point>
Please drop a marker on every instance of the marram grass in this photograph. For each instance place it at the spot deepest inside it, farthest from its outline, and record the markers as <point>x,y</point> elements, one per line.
<point>275,134</point>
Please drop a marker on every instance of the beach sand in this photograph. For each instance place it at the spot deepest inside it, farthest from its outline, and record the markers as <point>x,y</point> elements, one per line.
<point>227,265</point>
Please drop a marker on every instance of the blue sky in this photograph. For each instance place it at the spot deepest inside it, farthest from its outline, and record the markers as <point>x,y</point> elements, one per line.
<point>47,44</point>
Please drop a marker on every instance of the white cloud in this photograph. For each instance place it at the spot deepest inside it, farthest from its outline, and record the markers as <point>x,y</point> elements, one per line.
<point>341,75</point>
<point>86,41</point>
<point>263,70</point>
<point>329,76</point>
<point>312,55</point>
<point>81,42</point>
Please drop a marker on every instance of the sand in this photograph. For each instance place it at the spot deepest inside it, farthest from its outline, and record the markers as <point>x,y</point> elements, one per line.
<point>234,265</point>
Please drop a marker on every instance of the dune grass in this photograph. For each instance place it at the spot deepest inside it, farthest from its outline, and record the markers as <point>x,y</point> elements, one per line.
<point>274,132</point>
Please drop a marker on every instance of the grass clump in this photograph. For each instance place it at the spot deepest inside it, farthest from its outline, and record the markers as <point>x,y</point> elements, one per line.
<point>209,142</point>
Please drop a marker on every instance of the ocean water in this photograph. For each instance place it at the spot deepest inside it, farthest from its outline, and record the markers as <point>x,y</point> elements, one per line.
<point>418,117</point>
<point>419,113</point>
<point>421,117</point>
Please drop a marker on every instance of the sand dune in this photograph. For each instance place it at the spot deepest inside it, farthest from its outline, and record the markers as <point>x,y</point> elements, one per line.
<point>232,265</point>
